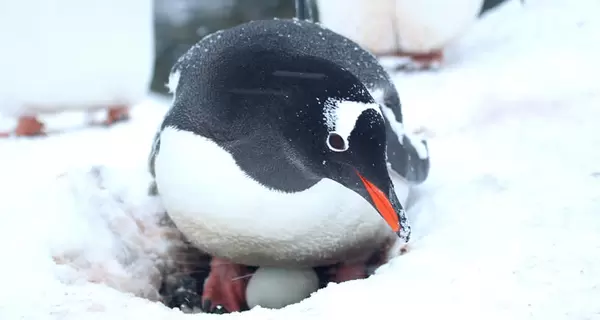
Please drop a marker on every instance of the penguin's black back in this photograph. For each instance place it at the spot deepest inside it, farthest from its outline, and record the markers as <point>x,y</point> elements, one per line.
<point>300,38</point>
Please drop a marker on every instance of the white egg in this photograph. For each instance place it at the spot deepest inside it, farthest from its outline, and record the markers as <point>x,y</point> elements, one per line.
<point>278,287</point>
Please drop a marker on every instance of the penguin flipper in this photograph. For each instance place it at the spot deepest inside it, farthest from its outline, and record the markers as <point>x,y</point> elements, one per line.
<point>153,189</point>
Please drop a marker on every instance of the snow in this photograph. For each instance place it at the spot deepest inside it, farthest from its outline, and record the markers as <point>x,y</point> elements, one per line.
<point>507,226</point>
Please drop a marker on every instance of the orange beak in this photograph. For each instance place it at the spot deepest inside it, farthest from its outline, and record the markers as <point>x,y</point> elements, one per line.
<point>382,204</point>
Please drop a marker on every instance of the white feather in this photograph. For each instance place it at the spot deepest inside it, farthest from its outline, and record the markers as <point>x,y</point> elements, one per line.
<point>174,81</point>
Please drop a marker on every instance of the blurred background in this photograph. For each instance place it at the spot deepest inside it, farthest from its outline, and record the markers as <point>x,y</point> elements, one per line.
<point>102,56</point>
<point>179,24</point>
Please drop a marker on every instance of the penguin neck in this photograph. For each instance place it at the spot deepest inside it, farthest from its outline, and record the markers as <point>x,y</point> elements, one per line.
<point>276,145</point>
<point>275,162</point>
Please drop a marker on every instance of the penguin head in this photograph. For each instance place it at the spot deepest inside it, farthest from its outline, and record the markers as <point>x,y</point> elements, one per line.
<point>354,148</point>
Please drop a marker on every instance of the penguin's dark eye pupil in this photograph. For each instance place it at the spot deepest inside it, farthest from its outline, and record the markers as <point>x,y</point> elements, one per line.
<point>336,142</point>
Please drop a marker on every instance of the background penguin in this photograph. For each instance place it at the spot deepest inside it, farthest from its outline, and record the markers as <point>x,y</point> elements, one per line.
<point>74,55</point>
<point>419,30</point>
<point>283,143</point>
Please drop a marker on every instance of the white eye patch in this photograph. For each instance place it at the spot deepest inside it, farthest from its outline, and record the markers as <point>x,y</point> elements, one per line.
<point>340,118</point>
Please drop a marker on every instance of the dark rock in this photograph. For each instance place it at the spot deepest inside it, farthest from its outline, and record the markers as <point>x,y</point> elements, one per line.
<point>179,24</point>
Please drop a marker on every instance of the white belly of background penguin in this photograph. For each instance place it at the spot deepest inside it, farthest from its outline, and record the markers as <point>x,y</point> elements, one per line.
<point>276,154</point>
<point>420,30</point>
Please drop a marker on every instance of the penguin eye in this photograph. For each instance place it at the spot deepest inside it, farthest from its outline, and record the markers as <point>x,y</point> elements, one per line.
<point>336,143</point>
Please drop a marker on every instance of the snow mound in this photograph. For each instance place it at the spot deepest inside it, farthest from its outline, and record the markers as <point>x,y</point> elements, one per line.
<point>101,227</point>
<point>111,233</point>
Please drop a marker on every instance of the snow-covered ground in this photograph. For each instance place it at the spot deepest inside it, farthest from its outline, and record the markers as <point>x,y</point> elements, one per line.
<point>507,226</point>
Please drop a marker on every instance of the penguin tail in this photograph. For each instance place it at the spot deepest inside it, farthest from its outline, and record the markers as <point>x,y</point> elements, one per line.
<point>152,188</point>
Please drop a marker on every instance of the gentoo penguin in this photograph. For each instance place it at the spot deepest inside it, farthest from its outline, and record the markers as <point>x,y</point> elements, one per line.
<point>284,147</point>
<point>419,30</point>
<point>73,55</point>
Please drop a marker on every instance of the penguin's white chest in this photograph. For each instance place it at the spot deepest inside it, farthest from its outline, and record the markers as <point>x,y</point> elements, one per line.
<point>228,214</point>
